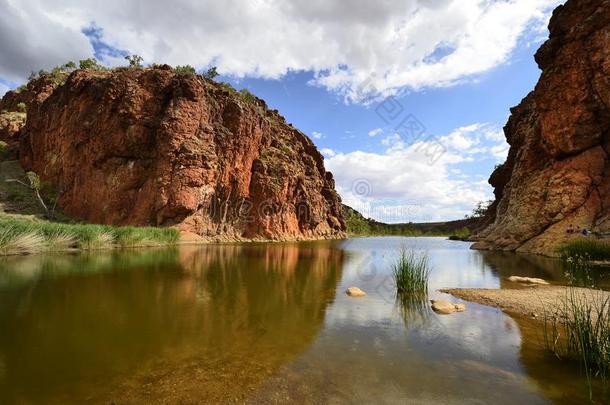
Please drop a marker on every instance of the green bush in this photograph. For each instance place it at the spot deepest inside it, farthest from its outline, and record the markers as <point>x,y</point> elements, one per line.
<point>185,70</point>
<point>90,63</point>
<point>21,107</point>
<point>211,74</point>
<point>247,96</point>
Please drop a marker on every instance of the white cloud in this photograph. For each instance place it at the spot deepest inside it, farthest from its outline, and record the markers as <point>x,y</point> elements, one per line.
<point>317,135</point>
<point>375,132</point>
<point>3,89</point>
<point>421,181</point>
<point>327,152</point>
<point>500,151</point>
<point>407,43</point>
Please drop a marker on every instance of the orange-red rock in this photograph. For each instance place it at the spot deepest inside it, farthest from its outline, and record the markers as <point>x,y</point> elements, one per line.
<point>557,171</point>
<point>152,147</point>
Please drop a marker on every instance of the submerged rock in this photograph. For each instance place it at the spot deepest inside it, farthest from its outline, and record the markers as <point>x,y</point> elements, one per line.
<point>557,176</point>
<point>446,307</point>
<point>527,280</point>
<point>355,292</point>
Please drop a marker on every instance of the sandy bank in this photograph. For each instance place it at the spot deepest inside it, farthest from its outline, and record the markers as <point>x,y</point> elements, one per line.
<point>531,301</point>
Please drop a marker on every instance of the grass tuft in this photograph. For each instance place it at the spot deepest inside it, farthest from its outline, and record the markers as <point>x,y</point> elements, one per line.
<point>21,243</point>
<point>589,249</point>
<point>61,240</point>
<point>584,321</point>
<point>411,272</point>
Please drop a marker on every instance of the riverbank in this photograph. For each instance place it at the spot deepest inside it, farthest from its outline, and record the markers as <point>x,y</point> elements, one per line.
<point>21,234</point>
<point>534,301</point>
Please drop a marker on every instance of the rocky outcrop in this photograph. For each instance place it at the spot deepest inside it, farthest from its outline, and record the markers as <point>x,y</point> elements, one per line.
<point>11,124</point>
<point>155,147</point>
<point>557,172</point>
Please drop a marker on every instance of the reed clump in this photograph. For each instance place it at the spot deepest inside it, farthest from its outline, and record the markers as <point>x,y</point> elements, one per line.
<point>411,272</point>
<point>580,332</point>
<point>18,237</point>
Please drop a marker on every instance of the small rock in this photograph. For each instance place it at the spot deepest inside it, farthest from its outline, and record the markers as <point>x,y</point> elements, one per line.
<point>355,292</point>
<point>527,280</point>
<point>446,307</point>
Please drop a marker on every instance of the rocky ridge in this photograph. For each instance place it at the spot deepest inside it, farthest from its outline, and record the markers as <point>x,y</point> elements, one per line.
<point>156,147</point>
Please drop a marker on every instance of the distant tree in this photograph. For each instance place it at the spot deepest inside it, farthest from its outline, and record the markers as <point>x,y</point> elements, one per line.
<point>21,107</point>
<point>185,70</point>
<point>135,61</point>
<point>481,209</point>
<point>211,74</point>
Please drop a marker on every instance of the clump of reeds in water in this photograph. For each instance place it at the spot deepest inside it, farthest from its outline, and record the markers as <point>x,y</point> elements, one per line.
<point>580,331</point>
<point>411,272</point>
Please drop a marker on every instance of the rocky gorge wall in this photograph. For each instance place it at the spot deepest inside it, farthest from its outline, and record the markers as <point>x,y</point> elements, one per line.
<point>155,147</point>
<point>557,172</point>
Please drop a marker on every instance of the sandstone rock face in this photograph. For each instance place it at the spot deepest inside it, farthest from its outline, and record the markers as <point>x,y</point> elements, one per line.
<point>11,124</point>
<point>557,171</point>
<point>152,147</point>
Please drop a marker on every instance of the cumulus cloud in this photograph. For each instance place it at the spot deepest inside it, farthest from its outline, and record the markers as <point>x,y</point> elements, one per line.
<point>405,183</point>
<point>352,46</point>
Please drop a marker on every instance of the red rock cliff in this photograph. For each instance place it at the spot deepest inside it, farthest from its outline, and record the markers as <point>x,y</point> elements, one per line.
<point>152,147</point>
<point>557,172</point>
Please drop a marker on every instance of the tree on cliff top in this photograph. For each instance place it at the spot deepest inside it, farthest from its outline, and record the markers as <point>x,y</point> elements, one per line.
<point>135,61</point>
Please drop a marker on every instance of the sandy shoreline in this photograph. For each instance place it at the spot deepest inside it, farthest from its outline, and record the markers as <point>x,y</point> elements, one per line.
<point>534,301</point>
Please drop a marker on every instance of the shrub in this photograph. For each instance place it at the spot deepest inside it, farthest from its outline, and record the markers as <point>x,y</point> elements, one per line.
<point>227,86</point>
<point>185,70</point>
<point>247,96</point>
<point>21,107</point>
<point>211,74</point>
<point>90,63</point>
<point>411,272</point>
<point>3,146</point>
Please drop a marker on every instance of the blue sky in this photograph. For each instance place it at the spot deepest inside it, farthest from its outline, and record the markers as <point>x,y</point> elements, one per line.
<point>335,69</point>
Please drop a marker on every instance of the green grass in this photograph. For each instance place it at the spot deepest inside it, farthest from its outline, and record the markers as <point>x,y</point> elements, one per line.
<point>589,248</point>
<point>411,272</point>
<point>581,332</point>
<point>26,237</point>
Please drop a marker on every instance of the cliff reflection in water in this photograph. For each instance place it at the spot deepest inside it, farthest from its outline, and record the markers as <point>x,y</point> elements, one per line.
<point>135,325</point>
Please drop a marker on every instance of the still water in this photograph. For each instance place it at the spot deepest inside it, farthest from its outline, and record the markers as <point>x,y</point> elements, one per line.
<point>268,323</point>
